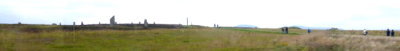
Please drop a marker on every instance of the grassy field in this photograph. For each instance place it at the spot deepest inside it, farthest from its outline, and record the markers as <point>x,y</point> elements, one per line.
<point>195,39</point>
<point>49,38</point>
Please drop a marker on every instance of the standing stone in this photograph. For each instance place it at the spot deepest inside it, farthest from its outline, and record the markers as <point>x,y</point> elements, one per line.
<point>140,22</point>
<point>187,21</point>
<point>215,26</point>
<point>112,21</point>
<point>99,23</point>
<point>145,24</point>
<point>73,27</point>
<point>82,23</point>
<point>59,23</point>
<point>74,24</point>
<point>154,22</point>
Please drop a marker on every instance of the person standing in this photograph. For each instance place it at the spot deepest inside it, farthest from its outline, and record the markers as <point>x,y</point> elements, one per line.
<point>309,30</point>
<point>365,32</point>
<point>388,32</point>
<point>283,29</point>
<point>392,33</point>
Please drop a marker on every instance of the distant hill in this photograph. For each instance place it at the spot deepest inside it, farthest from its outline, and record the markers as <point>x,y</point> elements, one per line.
<point>245,26</point>
<point>306,27</point>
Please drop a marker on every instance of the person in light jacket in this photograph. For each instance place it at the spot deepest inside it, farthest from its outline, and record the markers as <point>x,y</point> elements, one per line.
<point>365,32</point>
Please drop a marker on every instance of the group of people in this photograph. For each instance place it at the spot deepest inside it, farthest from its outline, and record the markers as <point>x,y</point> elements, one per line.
<point>390,32</point>
<point>285,30</point>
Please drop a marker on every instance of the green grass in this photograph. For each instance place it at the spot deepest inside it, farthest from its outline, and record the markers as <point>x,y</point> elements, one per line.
<point>193,39</point>
<point>267,31</point>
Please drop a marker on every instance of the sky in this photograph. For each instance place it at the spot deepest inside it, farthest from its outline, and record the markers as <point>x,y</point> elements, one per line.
<point>343,14</point>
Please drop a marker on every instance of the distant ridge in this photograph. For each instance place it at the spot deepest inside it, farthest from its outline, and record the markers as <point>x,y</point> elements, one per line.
<point>307,27</point>
<point>245,26</point>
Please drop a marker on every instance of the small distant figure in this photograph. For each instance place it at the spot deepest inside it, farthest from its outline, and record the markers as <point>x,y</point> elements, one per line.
<point>283,29</point>
<point>365,32</point>
<point>392,33</point>
<point>388,32</point>
<point>309,31</point>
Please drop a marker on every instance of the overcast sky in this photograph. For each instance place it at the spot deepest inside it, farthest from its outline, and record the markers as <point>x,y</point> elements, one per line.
<point>345,14</point>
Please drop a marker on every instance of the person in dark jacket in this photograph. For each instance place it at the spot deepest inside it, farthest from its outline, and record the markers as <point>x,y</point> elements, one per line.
<point>392,33</point>
<point>388,32</point>
<point>283,29</point>
<point>309,31</point>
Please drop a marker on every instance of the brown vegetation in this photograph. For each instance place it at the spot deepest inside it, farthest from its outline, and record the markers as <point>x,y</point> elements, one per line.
<point>323,41</point>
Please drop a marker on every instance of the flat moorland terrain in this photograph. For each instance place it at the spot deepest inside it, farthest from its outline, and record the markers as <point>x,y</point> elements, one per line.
<point>14,38</point>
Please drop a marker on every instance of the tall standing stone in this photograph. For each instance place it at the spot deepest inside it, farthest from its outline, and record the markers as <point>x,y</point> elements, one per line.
<point>187,21</point>
<point>112,21</point>
<point>73,27</point>
<point>82,23</point>
<point>74,24</point>
<point>145,24</point>
<point>59,23</point>
<point>215,25</point>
